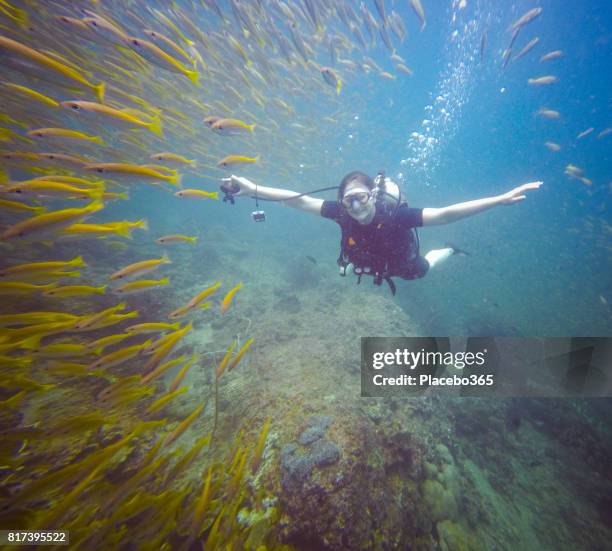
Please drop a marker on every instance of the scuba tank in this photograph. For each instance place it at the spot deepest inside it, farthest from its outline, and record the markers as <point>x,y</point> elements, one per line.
<point>389,197</point>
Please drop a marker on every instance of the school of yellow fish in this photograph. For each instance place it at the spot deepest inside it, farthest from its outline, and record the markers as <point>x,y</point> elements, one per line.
<point>88,110</point>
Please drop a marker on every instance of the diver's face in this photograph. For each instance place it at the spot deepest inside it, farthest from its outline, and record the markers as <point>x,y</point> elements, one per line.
<point>358,203</point>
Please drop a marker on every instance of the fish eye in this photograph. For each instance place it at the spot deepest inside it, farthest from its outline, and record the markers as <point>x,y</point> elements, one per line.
<point>51,157</point>
<point>17,191</point>
<point>20,234</point>
<point>135,42</point>
<point>75,107</point>
<point>100,170</point>
<point>94,23</point>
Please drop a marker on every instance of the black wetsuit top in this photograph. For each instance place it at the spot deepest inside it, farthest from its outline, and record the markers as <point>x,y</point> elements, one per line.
<point>387,244</point>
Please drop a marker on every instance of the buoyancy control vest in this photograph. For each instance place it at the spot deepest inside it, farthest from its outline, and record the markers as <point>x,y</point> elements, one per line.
<point>386,248</point>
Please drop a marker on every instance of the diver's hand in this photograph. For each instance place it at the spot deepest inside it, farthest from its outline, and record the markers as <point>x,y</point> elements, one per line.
<point>243,185</point>
<point>518,193</point>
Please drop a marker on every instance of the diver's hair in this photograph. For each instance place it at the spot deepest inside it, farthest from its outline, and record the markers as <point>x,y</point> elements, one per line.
<point>355,176</point>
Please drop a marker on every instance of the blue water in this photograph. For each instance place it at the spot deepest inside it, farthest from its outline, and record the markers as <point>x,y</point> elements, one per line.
<point>431,473</point>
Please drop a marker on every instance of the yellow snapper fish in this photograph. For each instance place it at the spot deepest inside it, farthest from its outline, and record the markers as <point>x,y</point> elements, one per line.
<point>62,350</point>
<point>168,44</point>
<point>49,223</point>
<point>20,207</point>
<point>237,159</point>
<point>203,295</point>
<point>103,29</point>
<point>197,194</point>
<point>228,127</point>
<point>11,47</point>
<point>123,229</point>
<point>176,238</point>
<point>140,268</point>
<point>157,56</point>
<point>73,180</point>
<point>92,320</point>
<point>62,159</point>
<point>107,113</point>
<point>75,26</point>
<point>227,300</point>
<point>118,356</point>
<point>175,336</point>
<point>98,346</point>
<point>74,291</point>
<point>64,133</point>
<point>154,374</point>
<point>152,327</point>
<point>167,157</point>
<point>160,168</point>
<point>137,172</point>
<point>184,310</point>
<point>17,288</point>
<point>29,318</point>
<point>43,188</point>
<point>135,287</point>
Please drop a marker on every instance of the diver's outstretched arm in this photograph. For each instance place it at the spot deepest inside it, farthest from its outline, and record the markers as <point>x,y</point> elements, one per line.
<point>285,196</point>
<point>452,213</point>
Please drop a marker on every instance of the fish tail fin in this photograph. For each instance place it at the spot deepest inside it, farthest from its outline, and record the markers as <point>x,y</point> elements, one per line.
<point>193,76</point>
<point>338,87</point>
<point>165,281</point>
<point>175,179</point>
<point>102,289</point>
<point>257,159</point>
<point>214,195</point>
<point>204,305</point>
<point>251,128</point>
<point>31,343</point>
<point>98,140</point>
<point>124,231</point>
<point>193,239</point>
<point>143,224</point>
<point>77,261</point>
<point>193,163</point>
<point>155,126</point>
<point>100,90</point>
<point>166,259</point>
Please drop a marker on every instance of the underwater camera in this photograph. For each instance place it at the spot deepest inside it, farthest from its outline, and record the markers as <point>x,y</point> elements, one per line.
<point>258,216</point>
